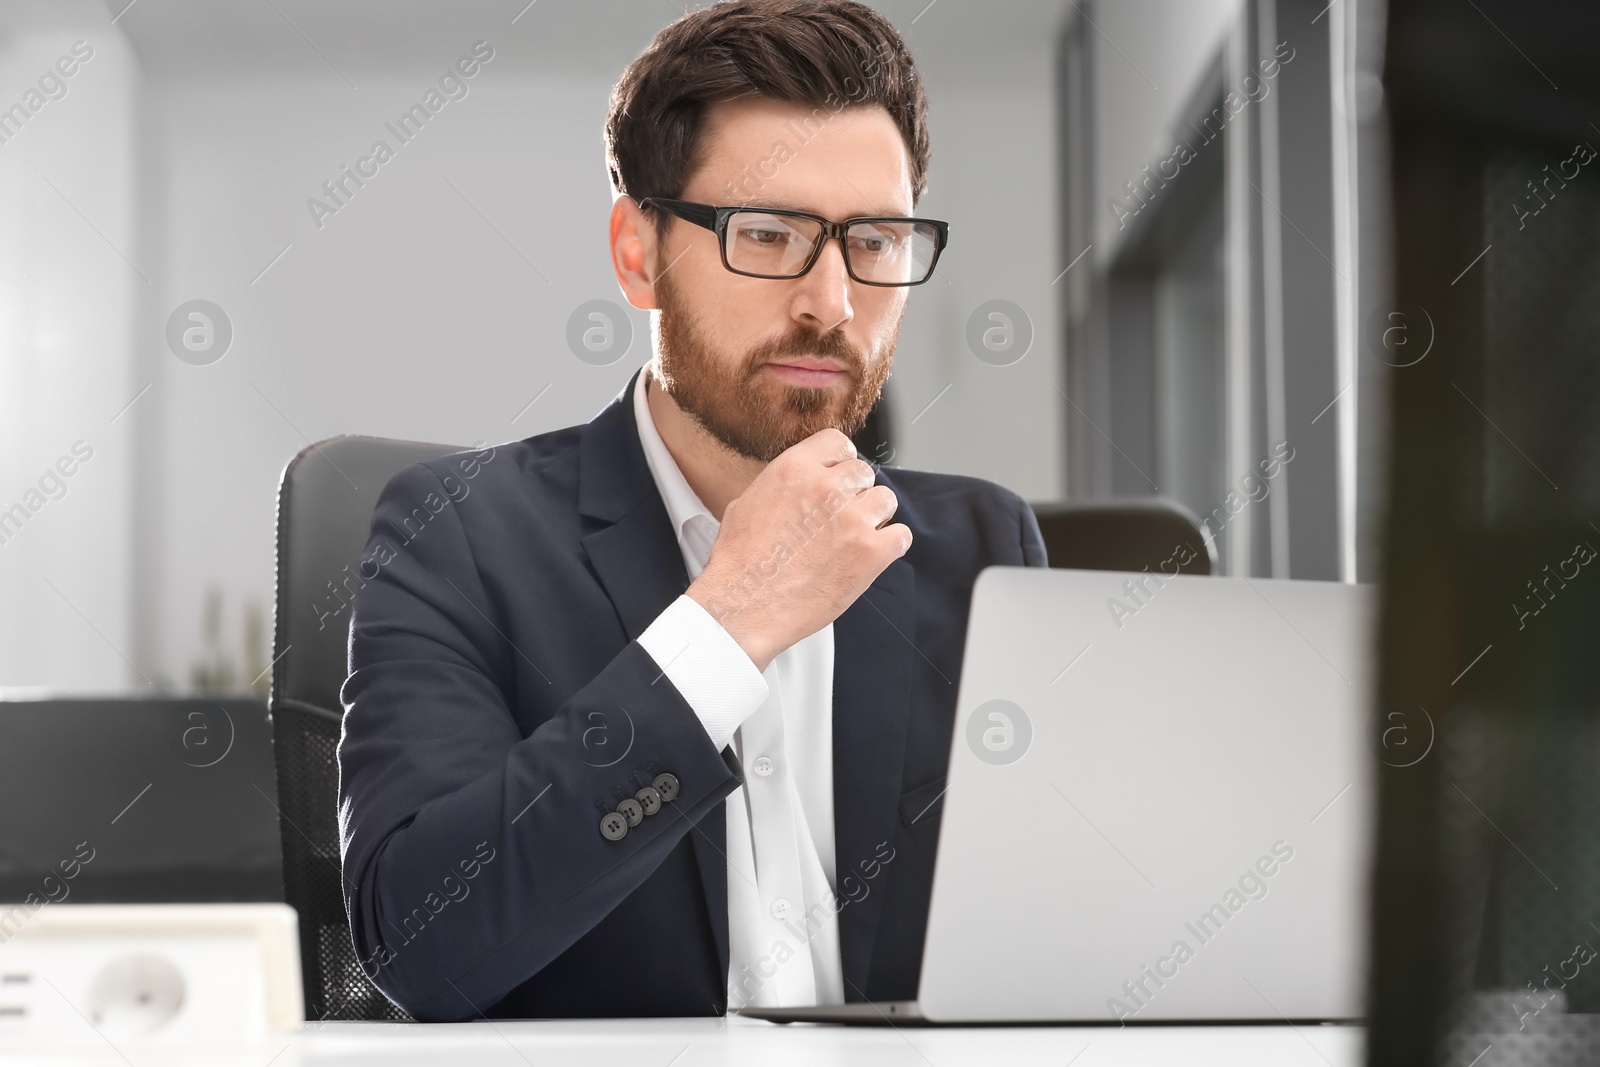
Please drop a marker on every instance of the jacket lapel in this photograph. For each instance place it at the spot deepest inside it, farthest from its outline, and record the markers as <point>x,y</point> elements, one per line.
<point>635,553</point>
<point>638,562</point>
<point>873,657</point>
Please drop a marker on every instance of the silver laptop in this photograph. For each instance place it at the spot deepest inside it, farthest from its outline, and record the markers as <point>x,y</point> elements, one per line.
<point>1158,808</point>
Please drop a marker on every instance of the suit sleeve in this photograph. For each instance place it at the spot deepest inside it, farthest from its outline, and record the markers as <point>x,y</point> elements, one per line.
<point>472,855</point>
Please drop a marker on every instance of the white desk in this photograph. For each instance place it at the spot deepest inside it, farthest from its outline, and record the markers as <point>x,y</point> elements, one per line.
<point>736,1040</point>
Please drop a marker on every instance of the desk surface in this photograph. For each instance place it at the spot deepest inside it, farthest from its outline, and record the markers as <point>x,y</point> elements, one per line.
<point>736,1040</point>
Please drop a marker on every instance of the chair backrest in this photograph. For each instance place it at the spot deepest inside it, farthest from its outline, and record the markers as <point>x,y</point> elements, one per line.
<point>1125,535</point>
<point>325,503</point>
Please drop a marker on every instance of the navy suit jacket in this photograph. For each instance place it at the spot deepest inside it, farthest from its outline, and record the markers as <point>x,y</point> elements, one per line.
<point>499,704</point>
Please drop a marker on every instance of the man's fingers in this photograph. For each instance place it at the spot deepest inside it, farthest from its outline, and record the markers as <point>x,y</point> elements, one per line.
<point>830,446</point>
<point>880,504</point>
<point>904,533</point>
<point>855,476</point>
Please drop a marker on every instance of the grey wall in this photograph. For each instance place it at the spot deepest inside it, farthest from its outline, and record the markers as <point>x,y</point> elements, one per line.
<point>68,296</point>
<point>1150,54</point>
<point>432,306</point>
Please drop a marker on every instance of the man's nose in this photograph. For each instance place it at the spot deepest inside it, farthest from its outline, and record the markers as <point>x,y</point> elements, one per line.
<point>825,289</point>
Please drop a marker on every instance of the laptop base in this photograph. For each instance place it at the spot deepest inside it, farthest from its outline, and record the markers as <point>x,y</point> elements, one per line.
<point>888,1013</point>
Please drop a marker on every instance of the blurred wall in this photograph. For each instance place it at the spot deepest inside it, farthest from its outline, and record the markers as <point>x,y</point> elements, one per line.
<point>1149,56</point>
<point>73,277</point>
<point>434,304</point>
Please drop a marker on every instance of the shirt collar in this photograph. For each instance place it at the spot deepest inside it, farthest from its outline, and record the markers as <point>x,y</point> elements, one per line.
<point>681,501</point>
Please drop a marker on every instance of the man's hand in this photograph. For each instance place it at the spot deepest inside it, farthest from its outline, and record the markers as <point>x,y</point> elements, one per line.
<point>799,546</point>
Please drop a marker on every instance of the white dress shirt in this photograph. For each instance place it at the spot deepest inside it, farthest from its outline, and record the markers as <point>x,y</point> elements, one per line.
<point>783,932</point>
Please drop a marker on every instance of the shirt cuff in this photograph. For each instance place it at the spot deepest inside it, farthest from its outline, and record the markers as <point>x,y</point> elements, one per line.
<point>715,676</point>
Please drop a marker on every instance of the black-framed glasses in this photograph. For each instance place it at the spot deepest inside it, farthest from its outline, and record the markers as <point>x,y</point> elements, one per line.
<point>778,243</point>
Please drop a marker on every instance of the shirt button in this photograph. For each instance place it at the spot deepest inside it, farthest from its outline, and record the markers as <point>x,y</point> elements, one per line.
<point>763,766</point>
<point>780,908</point>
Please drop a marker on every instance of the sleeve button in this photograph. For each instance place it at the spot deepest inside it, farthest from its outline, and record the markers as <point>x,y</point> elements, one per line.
<point>614,827</point>
<point>667,786</point>
<point>631,810</point>
<point>650,797</point>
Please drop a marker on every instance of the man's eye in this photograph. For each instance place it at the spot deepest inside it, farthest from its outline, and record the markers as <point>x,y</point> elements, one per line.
<point>766,237</point>
<point>874,244</point>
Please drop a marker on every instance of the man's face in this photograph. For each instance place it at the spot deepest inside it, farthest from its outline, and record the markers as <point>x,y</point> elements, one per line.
<point>721,336</point>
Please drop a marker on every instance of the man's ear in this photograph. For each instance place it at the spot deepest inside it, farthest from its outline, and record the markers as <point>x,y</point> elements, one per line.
<point>633,251</point>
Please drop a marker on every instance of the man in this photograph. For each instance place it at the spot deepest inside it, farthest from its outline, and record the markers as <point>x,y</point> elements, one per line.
<point>653,716</point>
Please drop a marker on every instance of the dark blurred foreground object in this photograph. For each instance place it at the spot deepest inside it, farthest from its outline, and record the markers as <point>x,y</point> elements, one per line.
<point>325,503</point>
<point>120,801</point>
<point>1485,946</point>
<point>1128,535</point>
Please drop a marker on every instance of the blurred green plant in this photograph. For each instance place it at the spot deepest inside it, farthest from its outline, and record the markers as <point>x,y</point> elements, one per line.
<point>218,671</point>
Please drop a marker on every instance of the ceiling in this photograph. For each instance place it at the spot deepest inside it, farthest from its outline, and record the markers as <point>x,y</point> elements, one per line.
<point>350,40</point>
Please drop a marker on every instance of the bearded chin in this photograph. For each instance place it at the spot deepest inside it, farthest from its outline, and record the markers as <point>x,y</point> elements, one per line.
<point>749,412</point>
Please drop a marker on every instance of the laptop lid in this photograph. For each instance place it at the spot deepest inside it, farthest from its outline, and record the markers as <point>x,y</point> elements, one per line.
<point>1159,802</point>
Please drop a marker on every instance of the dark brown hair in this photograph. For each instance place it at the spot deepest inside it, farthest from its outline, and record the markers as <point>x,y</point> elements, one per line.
<point>822,54</point>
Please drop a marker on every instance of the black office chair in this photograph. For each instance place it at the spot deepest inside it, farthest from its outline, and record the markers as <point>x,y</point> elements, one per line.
<point>1125,535</point>
<point>325,503</point>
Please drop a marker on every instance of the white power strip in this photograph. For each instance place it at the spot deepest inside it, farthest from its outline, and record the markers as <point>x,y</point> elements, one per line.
<point>173,976</point>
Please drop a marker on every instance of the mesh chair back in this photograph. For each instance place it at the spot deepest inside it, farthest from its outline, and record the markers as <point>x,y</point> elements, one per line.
<point>325,503</point>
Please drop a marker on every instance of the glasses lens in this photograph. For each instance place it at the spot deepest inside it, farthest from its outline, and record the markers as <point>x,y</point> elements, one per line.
<point>892,252</point>
<point>776,246</point>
